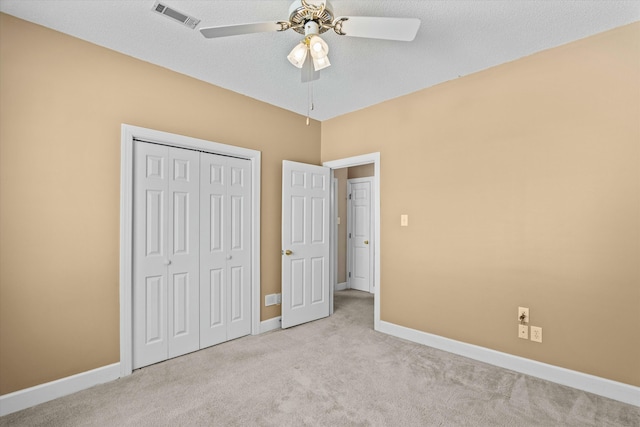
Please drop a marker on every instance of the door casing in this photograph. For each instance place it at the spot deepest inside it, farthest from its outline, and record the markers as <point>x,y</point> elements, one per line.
<point>128,134</point>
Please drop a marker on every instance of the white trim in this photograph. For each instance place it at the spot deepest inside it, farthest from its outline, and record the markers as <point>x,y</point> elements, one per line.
<point>348,266</point>
<point>341,286</point>
<point>128,133</point>
<point>271,324</point>
<point>333,251</point>
<point>375,191</point>
<point>23,399</point>
<point>601,386</point>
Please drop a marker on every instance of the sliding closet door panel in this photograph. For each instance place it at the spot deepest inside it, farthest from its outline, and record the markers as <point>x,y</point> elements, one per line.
<point>150,336</point>
<point>239,254</point>
<point>184,246</point>
<point>213,240</point>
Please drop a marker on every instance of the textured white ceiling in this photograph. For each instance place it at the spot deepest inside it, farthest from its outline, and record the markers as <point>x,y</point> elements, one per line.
<point>456,38</point>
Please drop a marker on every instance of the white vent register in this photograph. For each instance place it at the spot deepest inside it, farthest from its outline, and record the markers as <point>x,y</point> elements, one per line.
<point>165,10</point>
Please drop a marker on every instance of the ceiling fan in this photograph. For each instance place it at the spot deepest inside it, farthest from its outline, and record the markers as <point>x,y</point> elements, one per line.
<point>314,18</point>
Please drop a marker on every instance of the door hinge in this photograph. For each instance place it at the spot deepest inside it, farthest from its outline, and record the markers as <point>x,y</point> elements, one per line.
<point>349,235</point>
<point>349,274</point>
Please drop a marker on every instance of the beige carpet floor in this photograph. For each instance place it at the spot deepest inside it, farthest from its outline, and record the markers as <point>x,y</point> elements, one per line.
<point>333,372</point>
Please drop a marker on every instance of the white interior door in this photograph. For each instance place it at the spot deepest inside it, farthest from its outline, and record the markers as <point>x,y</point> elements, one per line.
<point>225,249</point>
<point>165,288</point>
<point>360,235</point>
<point>305,243</point>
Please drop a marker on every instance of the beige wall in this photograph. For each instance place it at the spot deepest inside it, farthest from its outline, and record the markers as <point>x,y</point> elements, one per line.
<point>522,188</point>
<point>61,105</point>
<point>362,171</point>
<point>528,194</point>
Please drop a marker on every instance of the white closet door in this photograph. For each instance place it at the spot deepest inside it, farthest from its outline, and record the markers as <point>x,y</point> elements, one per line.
<point>165,287</point>
<point>225,256</point>
<point>239,250</point>
<point>183,247</point>
<point>150,344</point>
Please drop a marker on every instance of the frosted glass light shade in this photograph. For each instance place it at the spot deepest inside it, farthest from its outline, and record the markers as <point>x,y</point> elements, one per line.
<point>320,63</point>
<point>318,47</point>
<point>298,55</point>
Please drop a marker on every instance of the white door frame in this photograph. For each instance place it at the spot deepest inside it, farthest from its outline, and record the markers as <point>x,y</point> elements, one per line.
<point>375,191</point>
<point>333,248</point>
<point>128,134</point>
<point>350,227</point>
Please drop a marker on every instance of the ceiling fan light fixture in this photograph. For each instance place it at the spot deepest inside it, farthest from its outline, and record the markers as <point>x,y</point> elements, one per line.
<point>318,47</point>
<point>298,55</point>
<point>320,63</point>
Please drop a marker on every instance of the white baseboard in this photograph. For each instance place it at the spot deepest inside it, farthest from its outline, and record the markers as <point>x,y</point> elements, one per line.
<point>601,386</point>
<point>270,324</point>
<point>41,393</point>
<point>26,398</point>
<point>340,286</point>
<point>626,393</point>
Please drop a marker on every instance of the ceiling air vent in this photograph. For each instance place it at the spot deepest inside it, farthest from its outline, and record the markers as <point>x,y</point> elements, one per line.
<point>165,10</point>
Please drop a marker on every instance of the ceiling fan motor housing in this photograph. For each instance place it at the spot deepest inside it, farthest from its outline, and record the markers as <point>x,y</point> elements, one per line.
<point>300,14</point>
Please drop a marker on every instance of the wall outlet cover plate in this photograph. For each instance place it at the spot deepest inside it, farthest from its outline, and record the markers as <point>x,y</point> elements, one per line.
<point>523,332</point>
<point>536,334</point>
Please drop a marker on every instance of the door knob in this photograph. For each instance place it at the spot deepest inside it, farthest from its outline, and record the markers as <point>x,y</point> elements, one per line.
<point>167,262</point>
<point>228,256</point>
<point>288,252</point>
<point>366,242</point>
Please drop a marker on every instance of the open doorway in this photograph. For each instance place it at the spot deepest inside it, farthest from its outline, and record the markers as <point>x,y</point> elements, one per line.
<point>354,222</point>
<point>368,166</point>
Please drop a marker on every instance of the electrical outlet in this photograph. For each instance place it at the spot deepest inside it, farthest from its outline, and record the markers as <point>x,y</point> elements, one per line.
<point>523,332</point>
<point>536,334</point>
<point>525,311</point>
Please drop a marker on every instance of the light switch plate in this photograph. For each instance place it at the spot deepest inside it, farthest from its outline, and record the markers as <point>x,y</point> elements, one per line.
<point>404,220</point>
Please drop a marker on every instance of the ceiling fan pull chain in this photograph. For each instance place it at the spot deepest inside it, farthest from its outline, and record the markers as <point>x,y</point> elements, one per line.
<point>310,105</point>
<point>311,90</point>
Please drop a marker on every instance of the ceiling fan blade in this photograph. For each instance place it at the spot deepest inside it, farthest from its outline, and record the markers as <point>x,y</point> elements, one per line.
<point>236,30</point>
<point>402,29</point>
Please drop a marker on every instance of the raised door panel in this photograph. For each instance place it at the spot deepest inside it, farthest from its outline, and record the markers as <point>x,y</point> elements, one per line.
<point>216,306</point>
